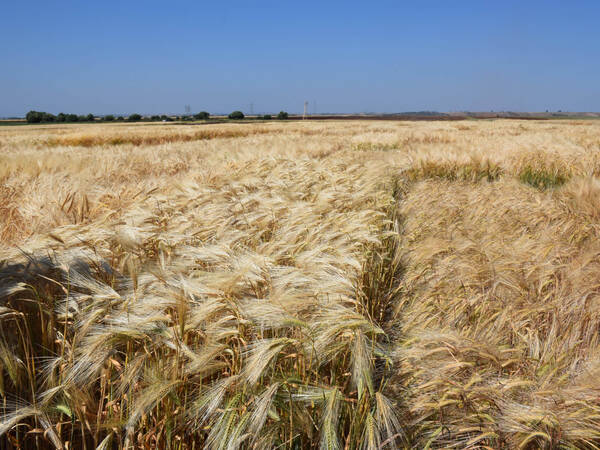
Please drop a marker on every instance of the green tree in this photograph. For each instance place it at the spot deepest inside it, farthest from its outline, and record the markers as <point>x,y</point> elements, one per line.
<point>72,118</point>
<point>134,117</point>
<point>236,115</point>
<point>33,117</point>
<point>155,118</point>
<point>282,115</point>
<point>109,118</point>
<point>61,117</point>
<point>47,117</point>
<point>202,115</point>
<point>267,117</point>
<point>90,117</point>
<point>39,116</point>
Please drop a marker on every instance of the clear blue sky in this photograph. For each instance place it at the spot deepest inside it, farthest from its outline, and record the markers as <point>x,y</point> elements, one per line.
<point>381,56</point>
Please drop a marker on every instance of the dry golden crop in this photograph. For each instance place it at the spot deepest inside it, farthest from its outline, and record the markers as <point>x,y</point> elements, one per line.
<point>300,285</point>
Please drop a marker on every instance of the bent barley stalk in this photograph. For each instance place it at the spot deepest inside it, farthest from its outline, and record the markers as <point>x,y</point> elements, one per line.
<point>300,285</point>
<point>210,313</point>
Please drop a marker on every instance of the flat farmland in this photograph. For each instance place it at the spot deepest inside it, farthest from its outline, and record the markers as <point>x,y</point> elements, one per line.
<point>300,284</point>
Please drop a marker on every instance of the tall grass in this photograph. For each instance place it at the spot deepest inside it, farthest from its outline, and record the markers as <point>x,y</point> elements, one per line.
<point>94,140</point>
<point>473,170</point>
<point>220,318</point>
<point>541,178</point>
<point>499,341</point>
<point>283,290</point>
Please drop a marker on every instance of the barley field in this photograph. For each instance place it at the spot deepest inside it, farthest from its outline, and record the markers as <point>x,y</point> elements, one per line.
<point>349,284</point>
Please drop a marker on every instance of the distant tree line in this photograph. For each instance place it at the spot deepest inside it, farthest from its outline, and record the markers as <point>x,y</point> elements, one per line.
<point>238,115</point>
<point>45,117</point>
<point>41,116</point>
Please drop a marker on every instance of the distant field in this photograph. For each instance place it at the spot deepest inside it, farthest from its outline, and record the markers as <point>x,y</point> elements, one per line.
<point>334,284</point>
<point>12,122</point>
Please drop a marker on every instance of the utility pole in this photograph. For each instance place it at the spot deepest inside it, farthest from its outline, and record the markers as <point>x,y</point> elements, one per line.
<point>305,110</point>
